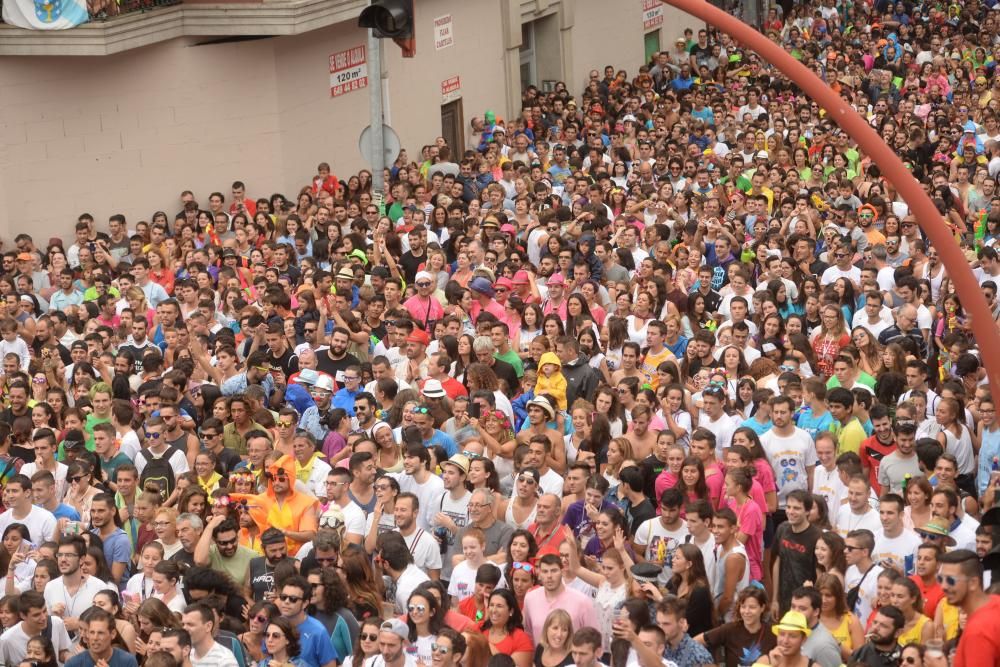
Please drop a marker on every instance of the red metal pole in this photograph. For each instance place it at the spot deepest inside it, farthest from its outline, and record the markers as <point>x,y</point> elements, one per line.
<point>930,221</point>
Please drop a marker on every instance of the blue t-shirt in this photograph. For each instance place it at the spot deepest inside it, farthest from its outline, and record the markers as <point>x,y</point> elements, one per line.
<point>65,511</point>
<point>443,439</point>
<point>117,549</point>
<point>119,658</point>
<point>814,425</point>
<point>756,426</point>
<point>989,449</point>
<point>316,647</point>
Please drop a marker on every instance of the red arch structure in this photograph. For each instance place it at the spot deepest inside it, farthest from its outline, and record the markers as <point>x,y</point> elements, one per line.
<point>930,221</point>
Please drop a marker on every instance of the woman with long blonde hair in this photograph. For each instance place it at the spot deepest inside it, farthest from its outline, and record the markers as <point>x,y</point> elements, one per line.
<point>136,300</point>
<point>829,338</point>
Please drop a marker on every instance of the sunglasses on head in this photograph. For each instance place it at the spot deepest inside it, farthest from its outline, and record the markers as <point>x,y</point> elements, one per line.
<point>517,565</point>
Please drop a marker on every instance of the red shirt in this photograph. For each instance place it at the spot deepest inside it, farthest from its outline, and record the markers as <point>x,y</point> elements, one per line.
<point>980,642</point>
<point>468,608</point>
<point>250,204</point>
<point>517,641</point>
<point>931,594</point>
<point>548,543</point>
<point>872,452</point>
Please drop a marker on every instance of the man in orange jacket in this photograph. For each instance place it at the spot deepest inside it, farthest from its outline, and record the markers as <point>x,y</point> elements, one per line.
<point>282,507</point>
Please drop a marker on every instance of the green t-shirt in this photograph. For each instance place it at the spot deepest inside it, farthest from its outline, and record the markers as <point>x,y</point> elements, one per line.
<point>510,356</point>
<point>236,567</point>
<point>863,379</point>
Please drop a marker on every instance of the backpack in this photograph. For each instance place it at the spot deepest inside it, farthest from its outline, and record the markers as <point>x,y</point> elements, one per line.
<point>159,471</point>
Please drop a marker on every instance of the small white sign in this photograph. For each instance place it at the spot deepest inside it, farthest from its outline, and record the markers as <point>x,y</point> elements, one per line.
<point>348,71</point>
<point>444,35</point>
<point>652,14</point>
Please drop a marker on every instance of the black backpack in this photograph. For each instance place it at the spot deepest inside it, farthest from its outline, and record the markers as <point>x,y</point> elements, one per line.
<point>159,471</point>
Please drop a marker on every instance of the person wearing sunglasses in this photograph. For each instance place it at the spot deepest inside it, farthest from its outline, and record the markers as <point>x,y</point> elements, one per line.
<point>424,622</point>
<point>316,649</point>
<point>424,307</point>
<point>281,506</point>
<point>282,644</point>
<point>367,646</point>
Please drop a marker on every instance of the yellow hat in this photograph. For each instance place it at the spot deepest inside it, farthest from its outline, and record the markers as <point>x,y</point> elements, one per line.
<point>792,621</point>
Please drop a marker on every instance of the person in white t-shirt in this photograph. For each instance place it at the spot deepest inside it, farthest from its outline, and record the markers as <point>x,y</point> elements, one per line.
<point>858,512</point>
<point>862,571</point>
<point>789,449</point>
<point>337,481</point>
<point>423,547</point>
<point>34,619</point>
<point>17,495</point>
<point>826,477</point>
<point>395,560</point>
<point>659,538</point>
<point>462,583</point>
<point>417,479</point>
<point>896,543</point>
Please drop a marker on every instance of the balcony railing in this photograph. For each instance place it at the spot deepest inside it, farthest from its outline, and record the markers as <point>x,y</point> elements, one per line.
<point>102,10</point>
<point>122,25</point>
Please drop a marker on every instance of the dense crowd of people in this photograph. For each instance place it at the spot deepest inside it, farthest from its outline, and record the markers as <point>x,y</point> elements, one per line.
<point>660,373</point>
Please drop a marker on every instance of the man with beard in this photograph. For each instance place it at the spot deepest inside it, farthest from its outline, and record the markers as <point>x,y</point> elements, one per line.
<point>70,594</point>
<point>282,507</point>
<point>415,366</point>
<point>45,339</point>
<point>260,573</point>
<point>117,548</point>
<point>227,554</point>
<point>337,359</point>
<point>882,647</point>
<point>313,418</point>
<point>257,372</point>
<point>424,548</point>
<point>393,645</point>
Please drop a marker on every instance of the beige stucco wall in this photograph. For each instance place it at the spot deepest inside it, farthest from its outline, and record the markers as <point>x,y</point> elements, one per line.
<point>597,42</point>
<point>127,133</point>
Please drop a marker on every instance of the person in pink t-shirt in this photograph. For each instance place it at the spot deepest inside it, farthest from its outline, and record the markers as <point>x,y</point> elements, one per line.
<point>749,518</point>
<point>553,594</point>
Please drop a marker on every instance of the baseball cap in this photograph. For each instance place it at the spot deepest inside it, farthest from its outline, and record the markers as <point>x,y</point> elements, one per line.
<point>482,285</point>
<point>396,627</point>
<point>24,257</point>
